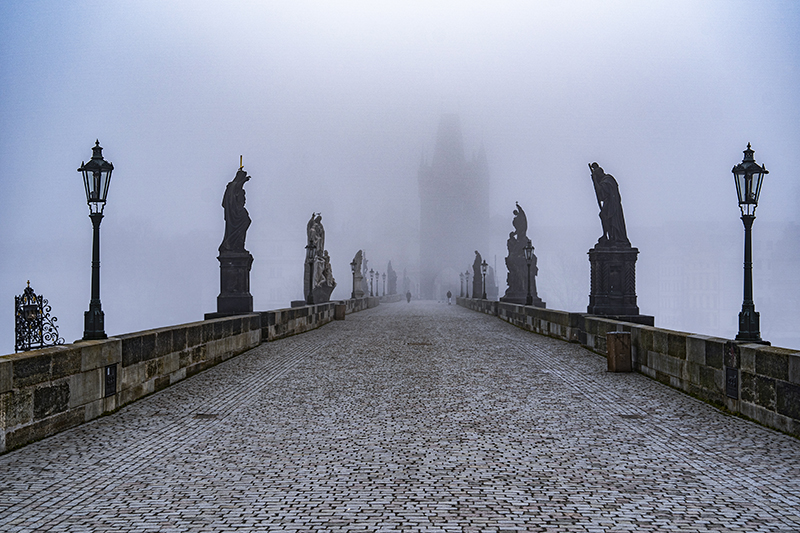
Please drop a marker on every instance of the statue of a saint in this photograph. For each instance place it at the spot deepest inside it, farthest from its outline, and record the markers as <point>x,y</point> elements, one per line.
<point>237,220</point>
<point>610,202</point>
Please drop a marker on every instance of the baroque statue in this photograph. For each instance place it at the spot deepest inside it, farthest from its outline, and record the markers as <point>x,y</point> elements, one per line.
<point>237,219</point>
<point>318,274</point>
<point>234,261</point>
<point>610,203</point>
<point>517,278</point>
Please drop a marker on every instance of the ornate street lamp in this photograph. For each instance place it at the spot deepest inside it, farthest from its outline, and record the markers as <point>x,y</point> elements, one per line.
<point>353,266</point>
<point>461,278</point>
<point>466,276</point>
<point>484,266</point>
<point>371,274</point>
<point>311,257</point>
<point>528,258</point>
<point>96,179</point>
<point>748,176</point>
<point>384,283</point>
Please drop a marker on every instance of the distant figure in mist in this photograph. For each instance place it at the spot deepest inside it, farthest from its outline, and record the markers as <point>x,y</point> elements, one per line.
<point>408,296</point>
<point>237,219</point>
<point>449,295</point>
<point>610,202</point>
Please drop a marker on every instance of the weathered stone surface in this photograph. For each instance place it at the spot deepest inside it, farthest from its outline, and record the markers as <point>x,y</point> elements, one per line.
<point>49,400</point>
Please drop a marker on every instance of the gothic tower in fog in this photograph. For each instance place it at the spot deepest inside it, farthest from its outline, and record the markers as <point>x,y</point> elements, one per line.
<point>454,211</point>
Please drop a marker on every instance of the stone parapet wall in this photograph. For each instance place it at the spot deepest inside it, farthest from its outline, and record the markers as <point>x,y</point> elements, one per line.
<point>760,382</point>
<point>43,392</point>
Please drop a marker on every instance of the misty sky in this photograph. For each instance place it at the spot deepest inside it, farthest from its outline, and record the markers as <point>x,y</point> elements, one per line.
<point>332,105</point>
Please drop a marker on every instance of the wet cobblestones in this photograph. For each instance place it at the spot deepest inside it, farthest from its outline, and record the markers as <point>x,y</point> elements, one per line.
<point>409,417</point>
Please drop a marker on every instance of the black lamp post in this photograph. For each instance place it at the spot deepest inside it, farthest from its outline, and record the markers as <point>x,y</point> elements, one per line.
<point>96,178</point>
<point>384,283</point>
<point>748,176</point>
<point>353,266</point>
<point>311,257</point>
<point>466,276</point>
<point>371,284</point>
<point>461,278</point>
<point>528,258</point>
<point>484,266</point>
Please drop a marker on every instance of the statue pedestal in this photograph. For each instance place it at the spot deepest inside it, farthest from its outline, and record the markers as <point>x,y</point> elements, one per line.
<point>358,284</point>
<point>234,280</point>
<point>613,289</point>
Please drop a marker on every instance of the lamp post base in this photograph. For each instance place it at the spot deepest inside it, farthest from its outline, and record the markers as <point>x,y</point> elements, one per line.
<point>749,326</point>
<point>94,324</point>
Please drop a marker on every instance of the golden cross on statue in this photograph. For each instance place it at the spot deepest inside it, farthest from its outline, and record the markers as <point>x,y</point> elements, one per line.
<point>241,166</point>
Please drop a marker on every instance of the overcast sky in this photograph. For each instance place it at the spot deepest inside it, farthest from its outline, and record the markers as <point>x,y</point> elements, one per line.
<point>332,104</point>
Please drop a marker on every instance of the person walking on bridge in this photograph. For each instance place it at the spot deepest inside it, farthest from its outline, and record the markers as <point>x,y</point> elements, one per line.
<point>449,295</point>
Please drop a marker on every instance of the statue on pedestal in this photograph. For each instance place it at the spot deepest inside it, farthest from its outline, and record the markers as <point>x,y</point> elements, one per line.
<point>234,261</point>
<point>318,279</point>
<point>392,275</point>
<point>613,259</point>
<point>517,279</point>
<point>358,278</point>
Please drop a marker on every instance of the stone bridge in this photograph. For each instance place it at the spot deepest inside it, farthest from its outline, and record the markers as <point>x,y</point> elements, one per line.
<point>402,417</point>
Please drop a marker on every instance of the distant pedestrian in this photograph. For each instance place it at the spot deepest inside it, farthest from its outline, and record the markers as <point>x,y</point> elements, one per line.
<point>449,295</point>
<point>408,296</point>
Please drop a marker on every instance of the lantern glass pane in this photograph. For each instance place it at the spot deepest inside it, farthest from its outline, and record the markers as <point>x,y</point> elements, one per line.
<point>741,186</point>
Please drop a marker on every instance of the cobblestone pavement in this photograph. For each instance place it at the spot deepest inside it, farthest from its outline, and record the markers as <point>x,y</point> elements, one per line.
<point>409,417</point>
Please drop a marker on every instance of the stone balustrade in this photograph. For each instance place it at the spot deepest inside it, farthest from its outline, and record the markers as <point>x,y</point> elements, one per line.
<point>760,382</point>
<point>43,392</point>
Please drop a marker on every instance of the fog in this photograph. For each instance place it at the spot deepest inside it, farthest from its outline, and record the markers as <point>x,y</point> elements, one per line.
<point>332,105</point>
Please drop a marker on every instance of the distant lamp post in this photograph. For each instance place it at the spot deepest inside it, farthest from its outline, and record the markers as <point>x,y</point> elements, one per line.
<point>371,284</point>
<point>353,266</point>
<point>748,176</point>
<point>484,266</point>
<point>311,257</point>
<point>96,179</point>
<point>461,278</point>
<point>384,283</point>
<point>528,258</point>
<point>466,276</point>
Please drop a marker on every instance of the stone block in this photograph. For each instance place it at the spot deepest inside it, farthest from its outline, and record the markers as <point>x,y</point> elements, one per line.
<point>93,409</point>
<point>772,362</point>
<point>171,363</point>
<point>618,345</point>
<point>660,341</point>
<point>645,340</point>
<point>131,350</point>
<point>99,354</point>
<point>747,386</point>
<point>715,350</point>
<point>163,342</point>
<point>794,370</point>
<point>6,375</point>
<point>131,376</point>
<point>177,376</point>
<point>665,364</point>
<point>85,387</point>
<point>696,349</point>
<point>31,368</point>
<point>788,399</point>
<point>19,408</point>
<point>194,335</point>
<point>747,358</point>
<point>179,338</point>
<point>765,392</point>
<point>66,361</point>
<point>44,428</point>
<point>676,345</point>
<point>50,400</point>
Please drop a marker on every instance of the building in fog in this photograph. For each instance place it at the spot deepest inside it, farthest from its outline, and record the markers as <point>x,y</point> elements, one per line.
<point>454,211</point>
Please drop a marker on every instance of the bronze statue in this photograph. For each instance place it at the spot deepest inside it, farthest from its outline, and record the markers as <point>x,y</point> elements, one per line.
<point>237,219</point>
<point>610,202</point>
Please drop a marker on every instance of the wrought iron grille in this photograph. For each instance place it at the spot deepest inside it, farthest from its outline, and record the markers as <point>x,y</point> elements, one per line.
<point>34,326</point>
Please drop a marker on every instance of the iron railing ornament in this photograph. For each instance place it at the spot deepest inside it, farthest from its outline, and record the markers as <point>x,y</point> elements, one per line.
<point>35,328</point>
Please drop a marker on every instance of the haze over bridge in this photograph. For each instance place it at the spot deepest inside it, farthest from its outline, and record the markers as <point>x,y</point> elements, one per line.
<point>409,417</point>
